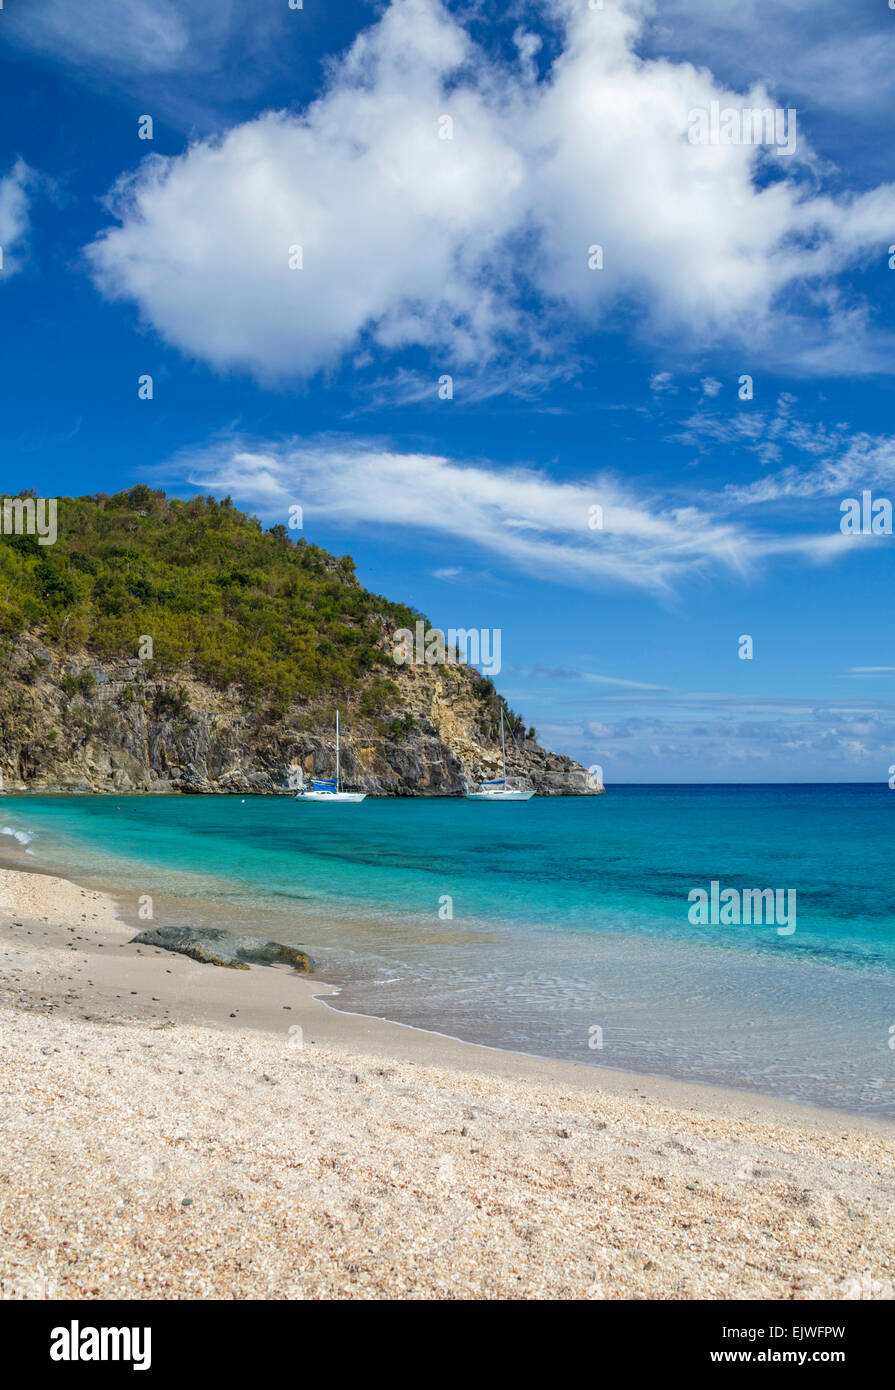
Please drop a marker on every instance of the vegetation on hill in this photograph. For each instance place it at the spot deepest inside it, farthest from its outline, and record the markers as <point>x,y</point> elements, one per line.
<point>218,595</point>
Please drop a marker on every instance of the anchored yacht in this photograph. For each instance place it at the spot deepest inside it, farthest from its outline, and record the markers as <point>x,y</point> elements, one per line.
<point>328,788</point>
<point>498,790</point>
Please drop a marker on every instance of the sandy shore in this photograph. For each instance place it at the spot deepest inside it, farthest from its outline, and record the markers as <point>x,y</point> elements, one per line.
<point>176,1130</point>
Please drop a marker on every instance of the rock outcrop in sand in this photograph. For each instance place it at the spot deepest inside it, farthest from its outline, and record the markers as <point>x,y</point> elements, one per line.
<point>213,946</point>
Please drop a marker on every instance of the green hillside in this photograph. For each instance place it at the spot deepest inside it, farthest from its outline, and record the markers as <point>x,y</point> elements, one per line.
<point>218,594</point>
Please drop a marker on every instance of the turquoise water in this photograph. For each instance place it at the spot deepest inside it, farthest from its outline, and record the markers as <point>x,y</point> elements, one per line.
<point>552,925</point>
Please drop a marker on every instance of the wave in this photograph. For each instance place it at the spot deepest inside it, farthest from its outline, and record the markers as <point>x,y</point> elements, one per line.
<point>24,837</point>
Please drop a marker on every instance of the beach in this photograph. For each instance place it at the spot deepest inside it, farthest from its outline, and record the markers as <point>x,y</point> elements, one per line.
<point>178,1130</point>
<point>425,912</point>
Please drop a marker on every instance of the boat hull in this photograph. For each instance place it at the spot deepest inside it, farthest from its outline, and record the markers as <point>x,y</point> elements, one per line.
<point>499,796</point>
<point>331,796</point>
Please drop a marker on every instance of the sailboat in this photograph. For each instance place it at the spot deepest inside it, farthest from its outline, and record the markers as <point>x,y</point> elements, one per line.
<point>327,788</point>
<point>498,789</point>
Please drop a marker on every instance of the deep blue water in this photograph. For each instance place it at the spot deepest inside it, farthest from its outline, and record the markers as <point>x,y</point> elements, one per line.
<point>527,924</point>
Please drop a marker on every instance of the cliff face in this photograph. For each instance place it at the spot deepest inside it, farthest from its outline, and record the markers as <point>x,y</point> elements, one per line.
<point>74,724</point>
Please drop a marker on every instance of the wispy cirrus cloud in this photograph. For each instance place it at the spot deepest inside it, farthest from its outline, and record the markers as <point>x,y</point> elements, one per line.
<point>14,216</point>
<point>865,462</point>
<point>187,62</point>
<point>840,61</point>
<point>128,38</point>
<point>138,35</point>
<point>562,673</point>
<point>599,532</point>
<point>842,461</point>
<point>766,433</point>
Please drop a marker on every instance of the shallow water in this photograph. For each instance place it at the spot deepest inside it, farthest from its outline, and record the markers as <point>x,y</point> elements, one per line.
<point>569,932</point>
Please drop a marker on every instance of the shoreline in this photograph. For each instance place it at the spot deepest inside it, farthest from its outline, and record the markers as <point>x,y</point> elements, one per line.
<point>430,1045</point>
<point>171,1134</point>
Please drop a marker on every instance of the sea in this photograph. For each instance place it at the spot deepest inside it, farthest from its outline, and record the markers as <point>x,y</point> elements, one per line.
<point>582,928</point>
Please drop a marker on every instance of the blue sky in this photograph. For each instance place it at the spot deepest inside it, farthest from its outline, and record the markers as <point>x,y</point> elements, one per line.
<point>572,386</point>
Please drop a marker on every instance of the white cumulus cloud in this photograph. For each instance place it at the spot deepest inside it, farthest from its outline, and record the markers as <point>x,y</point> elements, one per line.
<point>478,244</point>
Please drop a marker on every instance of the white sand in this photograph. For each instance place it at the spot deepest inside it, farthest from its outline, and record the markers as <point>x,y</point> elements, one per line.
<point>151,1145</point>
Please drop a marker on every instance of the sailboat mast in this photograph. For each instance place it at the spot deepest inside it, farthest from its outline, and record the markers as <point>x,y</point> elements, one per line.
<point>337,751</point>
<point>503,748</point>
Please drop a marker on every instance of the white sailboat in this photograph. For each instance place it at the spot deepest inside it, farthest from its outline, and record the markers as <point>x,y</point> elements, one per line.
<point>498,789</point>
<point>327,788</point>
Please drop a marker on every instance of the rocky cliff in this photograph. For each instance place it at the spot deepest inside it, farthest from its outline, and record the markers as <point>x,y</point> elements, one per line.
<point>154,644</point>
<point>71,723</point>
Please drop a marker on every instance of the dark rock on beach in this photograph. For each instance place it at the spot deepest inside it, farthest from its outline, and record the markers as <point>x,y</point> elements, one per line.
<point>214,946</point>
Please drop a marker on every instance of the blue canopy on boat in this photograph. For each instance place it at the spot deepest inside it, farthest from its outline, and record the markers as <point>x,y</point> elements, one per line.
<point>498,782</point>
<point>323,784</point>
